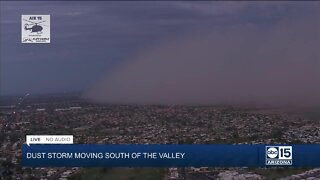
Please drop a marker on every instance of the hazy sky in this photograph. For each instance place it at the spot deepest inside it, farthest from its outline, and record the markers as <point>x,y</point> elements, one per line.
<point>98,45</point>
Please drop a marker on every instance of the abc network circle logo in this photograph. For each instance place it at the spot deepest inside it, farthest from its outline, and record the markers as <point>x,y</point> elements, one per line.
<point>279,155</point>
<point>272,152</point>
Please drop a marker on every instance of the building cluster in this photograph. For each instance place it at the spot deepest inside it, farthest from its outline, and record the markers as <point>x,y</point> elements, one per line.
<point>146,124</point>
<point>313,174</point>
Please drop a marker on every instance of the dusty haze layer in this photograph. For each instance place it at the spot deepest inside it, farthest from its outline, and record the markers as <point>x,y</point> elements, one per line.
<point>234,64</point>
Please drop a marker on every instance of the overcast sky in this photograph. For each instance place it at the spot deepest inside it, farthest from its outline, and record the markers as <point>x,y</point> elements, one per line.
<point>89,40</point>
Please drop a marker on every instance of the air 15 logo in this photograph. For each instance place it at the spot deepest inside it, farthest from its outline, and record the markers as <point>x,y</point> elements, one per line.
<point>278,155</point>
<point>35,28</point>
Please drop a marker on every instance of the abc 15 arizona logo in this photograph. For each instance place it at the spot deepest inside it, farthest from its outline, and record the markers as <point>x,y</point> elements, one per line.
<point>279,155</point>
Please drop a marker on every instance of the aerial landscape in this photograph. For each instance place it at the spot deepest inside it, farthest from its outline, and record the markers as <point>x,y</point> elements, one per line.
<point>159,72</point>
<point>148,124</point>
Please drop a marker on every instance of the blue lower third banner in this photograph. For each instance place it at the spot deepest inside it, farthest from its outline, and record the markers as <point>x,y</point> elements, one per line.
<point>94,155</point>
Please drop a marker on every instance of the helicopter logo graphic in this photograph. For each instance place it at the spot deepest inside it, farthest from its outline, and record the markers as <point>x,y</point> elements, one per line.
<point>35,28</point>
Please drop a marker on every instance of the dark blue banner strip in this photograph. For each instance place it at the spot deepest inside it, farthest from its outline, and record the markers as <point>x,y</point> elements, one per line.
<point>77,155</point>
